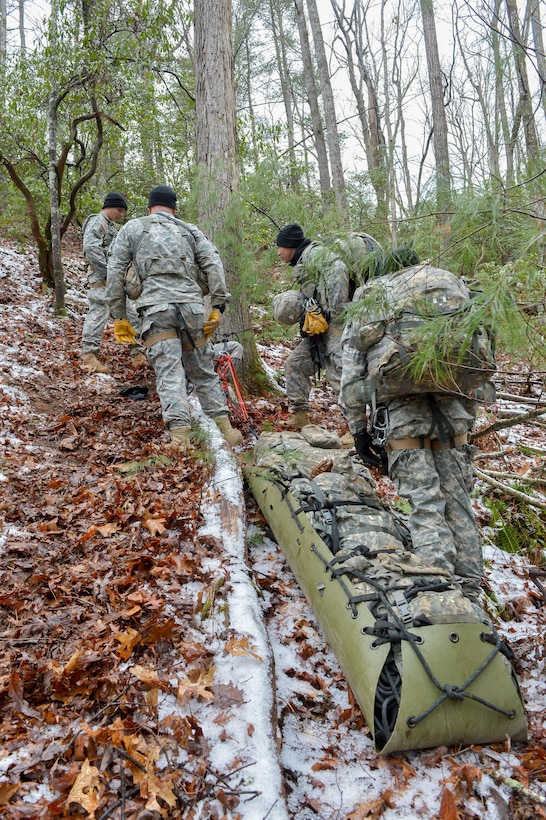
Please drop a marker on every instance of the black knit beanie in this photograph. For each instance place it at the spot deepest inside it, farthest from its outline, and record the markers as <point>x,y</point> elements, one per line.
<point>162,195</point>
<point>291,236</point>
<point>114,200</point>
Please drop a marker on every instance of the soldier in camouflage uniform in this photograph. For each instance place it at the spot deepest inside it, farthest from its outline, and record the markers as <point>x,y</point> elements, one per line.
<point>323,276</point>
<point>176,264</point>
<point>99,231</point>
<point>429,459</point>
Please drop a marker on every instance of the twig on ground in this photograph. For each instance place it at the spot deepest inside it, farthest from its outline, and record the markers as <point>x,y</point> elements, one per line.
<point>496,454</point>
<point>522,399</point>
<point>509,490</point>
<point>515,785</point>
<point>539,482</point>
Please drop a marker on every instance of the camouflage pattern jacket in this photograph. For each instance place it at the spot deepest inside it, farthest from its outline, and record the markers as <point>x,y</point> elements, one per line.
<point>322,275</point>
<point>98,234</point>
<point>409,415</point>
<point>174,260</point>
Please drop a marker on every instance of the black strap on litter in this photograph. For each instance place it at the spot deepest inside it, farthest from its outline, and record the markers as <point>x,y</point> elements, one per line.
<point>391,628</point>
<point>319,502</point>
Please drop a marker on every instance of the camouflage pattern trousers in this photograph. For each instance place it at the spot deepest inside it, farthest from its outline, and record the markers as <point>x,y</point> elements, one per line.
<point>300,369</point>
<point>444,532</point>
<point>171,363</point>
<point>97,318</point>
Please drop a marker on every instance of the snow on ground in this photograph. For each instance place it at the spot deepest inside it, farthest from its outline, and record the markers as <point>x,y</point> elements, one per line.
<point>314,758</point>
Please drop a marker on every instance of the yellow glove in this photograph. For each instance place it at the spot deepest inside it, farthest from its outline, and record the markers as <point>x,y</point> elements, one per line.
<point>213,322</point>
<point>124,333</point>
<point>315,323</point>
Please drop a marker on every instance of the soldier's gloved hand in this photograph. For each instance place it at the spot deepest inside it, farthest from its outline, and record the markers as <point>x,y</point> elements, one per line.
<point>369,453</point>
<point>124,333</point>
<point>213,322</point>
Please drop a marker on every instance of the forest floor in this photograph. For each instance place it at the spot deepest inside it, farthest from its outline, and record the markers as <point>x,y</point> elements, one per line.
<point>157,658</point>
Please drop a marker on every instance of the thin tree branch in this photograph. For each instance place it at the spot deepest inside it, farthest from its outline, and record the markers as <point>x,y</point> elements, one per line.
<point>533,502</point>
<point>523,418</point>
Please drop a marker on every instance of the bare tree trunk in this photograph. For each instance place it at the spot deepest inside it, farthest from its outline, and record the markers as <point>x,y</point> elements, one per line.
<point>332,135</point>
<point>352,30</point>
<point>525,110</point>
<point>525,104</point>
<point>320,144</point>
<point>218,171</point>
<point>398,75</point>
<point>279,40</point>
<point>58,272</point>
<point>41,243</point>
<point>22,36</point>
<point>500,99</point>
<point>250,103</point>
<point>435,78</point>
<point>485,106</point>
<point>3,30</point>
<point>540,54</point>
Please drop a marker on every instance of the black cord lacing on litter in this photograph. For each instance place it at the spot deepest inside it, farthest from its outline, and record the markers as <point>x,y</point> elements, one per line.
<point>392,629</point>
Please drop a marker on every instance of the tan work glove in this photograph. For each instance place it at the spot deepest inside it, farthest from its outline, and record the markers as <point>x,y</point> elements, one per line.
<point>315,322</point>
<point>213,322</point>
<point>124,333</point>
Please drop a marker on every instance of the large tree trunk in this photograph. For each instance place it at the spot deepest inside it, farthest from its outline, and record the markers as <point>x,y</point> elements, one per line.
<point>218,171</point>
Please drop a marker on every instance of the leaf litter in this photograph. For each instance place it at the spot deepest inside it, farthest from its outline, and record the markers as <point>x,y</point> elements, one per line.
<point>157,658</point>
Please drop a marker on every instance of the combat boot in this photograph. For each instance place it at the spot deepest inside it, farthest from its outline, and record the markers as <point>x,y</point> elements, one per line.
<point>92,364</point>
<point>231,434</point>
<point>180,438</point>
<point>296,420</point>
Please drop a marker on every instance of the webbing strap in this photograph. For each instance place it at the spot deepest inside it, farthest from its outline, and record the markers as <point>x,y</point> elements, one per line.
<point>100,284</point>
<point>160,337</point>
<point>423,443</point>
<point>172,334</point>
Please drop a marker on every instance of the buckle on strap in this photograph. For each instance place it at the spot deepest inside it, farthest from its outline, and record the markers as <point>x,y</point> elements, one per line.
<point>455,441</point>
<point>401,603</point>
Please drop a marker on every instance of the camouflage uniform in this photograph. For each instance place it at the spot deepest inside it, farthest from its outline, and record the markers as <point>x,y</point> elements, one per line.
<point>98,234</point>
<point>169,255</point>
<point>433,471</point>
<point>438,483</point>
<point>233,348</point>
<point>321,275</point>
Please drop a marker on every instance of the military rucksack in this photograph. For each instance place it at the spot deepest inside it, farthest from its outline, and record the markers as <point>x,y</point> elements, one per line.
<point>288,306</point>
<point>163,251</point>
<point>363,256</point>
<point>400,304</point>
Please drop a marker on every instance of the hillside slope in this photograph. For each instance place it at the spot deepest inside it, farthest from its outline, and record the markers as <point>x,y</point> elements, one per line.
<point>157,658</point>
